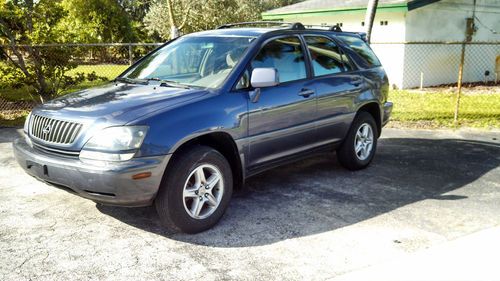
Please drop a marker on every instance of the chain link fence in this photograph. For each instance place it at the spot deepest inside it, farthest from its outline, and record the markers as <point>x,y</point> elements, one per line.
<point>423,78</point>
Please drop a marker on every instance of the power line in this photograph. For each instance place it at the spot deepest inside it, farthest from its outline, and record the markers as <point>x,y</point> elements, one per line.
<point>485,26</point>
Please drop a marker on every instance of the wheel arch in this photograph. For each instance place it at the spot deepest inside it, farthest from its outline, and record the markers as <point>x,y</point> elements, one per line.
<point>373,108</point>
<point>225,145</point>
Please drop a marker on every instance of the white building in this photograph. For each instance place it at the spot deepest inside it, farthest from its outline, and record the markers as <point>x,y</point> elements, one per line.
<point>406,21</point>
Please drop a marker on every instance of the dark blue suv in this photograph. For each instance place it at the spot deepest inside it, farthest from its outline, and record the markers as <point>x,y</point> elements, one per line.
<point>188,123</point>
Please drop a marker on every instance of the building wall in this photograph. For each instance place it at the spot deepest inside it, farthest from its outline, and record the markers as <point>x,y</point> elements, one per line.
<point>446,21</point>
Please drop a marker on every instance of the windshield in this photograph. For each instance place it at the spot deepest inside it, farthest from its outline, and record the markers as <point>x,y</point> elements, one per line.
<point>201,61</point>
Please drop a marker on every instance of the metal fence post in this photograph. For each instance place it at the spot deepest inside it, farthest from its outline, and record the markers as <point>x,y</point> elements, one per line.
<point>130,54</point>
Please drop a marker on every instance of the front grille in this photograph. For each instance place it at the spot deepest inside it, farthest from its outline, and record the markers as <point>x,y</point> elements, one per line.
<point>53,130</point>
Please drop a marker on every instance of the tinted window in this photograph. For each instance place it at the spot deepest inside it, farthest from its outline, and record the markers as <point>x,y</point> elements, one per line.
<point>326,57</point>
<point>362,49</point>
<point>284,54</point>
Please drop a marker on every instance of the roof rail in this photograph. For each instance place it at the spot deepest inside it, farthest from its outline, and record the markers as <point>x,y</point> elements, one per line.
<point>288,25</point>
<point>335,28</point>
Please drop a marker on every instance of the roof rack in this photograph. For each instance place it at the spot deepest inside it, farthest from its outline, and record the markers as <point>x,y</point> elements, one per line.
<point>335,28</point>
<point>288,25</point>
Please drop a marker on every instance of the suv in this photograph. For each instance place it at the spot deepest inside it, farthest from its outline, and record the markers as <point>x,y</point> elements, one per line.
<point>187,124</point>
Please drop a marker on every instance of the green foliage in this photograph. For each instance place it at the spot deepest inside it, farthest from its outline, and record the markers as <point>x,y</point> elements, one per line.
<point>194,16</point>
<point>93,21</point>
<point>25,24</point>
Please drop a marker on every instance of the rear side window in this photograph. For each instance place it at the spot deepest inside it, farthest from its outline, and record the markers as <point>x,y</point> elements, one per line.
<point>326,57</point>
<point>284,54</point>
<point>362,49</point>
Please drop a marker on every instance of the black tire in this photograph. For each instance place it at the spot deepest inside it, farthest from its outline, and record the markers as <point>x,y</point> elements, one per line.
<point>346,153</point>
<point>170,202</point>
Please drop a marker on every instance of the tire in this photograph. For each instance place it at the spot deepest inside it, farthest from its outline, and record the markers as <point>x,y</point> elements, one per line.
<point>346,153</point>
<point>177,209</point>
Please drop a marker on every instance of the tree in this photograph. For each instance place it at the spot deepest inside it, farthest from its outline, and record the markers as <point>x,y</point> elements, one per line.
<point>96,21</point>
<point>167,17</point>
<point>23,25</point>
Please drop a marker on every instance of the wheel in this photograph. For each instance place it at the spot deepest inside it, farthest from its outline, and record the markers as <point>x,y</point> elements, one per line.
<point>195,191</point>
<point>360,144</point>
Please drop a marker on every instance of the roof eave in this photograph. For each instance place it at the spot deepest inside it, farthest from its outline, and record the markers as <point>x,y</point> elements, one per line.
<point>392,7</point>
<point>403,7</point>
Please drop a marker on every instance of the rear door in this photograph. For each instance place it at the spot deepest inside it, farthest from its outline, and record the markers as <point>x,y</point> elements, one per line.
<point>281,122</point>
<point>337,85</point>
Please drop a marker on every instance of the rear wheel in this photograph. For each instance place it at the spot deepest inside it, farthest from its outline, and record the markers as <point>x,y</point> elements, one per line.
<point>360,144</point>
<point>195,191</point>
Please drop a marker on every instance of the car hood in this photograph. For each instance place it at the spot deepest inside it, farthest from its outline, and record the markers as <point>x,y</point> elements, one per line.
<point>116,103</point>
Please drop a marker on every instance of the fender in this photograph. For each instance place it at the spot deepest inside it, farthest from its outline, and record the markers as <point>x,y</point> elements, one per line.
<point>172,128</point>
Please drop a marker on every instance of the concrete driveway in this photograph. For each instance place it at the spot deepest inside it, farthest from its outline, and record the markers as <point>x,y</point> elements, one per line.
<point>427,208</point>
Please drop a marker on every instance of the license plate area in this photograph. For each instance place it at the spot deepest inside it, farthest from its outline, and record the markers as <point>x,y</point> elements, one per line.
<point>38,169</point>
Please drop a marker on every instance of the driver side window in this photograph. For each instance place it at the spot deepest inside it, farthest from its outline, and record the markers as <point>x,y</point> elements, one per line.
<point>286,56</point>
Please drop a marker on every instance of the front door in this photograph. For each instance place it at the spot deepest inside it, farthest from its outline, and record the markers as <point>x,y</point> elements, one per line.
<point>281,122</point>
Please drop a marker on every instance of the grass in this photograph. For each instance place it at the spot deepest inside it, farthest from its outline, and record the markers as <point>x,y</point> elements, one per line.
<point>436,109</point>
<point>109,71</point>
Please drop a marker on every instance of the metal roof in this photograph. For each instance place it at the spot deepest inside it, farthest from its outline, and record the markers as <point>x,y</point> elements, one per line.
<point>333,5</point>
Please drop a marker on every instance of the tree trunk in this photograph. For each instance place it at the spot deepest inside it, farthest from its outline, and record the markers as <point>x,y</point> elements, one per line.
<point>174,31</point>
<point>371,10</point>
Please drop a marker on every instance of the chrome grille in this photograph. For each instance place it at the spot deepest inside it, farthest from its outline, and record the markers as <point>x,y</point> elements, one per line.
<point>53,130</point>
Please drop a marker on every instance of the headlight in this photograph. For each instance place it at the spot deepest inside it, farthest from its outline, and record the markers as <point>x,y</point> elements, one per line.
<point>114,143</point>
<point>26,130</point>
<point>26,123</point>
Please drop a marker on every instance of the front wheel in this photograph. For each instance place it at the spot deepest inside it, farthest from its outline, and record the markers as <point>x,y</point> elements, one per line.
<point>196,190</point>
<point>360,144</point>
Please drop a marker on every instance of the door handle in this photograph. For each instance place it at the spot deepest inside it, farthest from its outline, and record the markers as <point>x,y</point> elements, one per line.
<point>356,81</point>
<point>306,93</point>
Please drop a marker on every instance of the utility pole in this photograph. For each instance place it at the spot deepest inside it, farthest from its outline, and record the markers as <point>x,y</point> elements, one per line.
<point>469,31</point>
<point>371,9</point>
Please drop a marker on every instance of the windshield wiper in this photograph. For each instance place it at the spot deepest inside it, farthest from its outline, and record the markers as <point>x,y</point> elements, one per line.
<point>168,83</point>
<point>130,80</point>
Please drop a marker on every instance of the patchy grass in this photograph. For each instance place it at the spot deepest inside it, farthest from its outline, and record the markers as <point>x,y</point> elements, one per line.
<point>17,94</point>
<point>17,122</point>
<point>436,109</point>
<point>25,93</point>
<point>110,71</point>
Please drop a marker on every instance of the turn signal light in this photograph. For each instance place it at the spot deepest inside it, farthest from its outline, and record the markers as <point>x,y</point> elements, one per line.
<point>141,176</point>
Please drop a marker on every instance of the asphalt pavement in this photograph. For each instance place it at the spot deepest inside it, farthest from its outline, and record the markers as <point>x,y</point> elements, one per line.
<point>428,208</point>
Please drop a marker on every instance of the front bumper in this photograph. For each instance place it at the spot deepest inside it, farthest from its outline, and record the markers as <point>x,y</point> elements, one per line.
<point>387,112</point>
<point>109,183</point>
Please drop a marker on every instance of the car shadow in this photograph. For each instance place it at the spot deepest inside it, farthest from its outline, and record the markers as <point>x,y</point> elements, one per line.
<point>317,195</point>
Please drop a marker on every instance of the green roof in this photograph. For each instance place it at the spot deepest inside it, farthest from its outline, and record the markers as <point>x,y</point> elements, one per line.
<point>343,6</point>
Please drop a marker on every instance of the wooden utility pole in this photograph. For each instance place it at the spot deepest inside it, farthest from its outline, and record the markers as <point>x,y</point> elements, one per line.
<point>469,31</point>
<point>371,10</point>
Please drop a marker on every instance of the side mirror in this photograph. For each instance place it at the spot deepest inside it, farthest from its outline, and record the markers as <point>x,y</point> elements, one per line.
<point>264,77</point>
